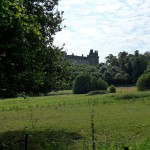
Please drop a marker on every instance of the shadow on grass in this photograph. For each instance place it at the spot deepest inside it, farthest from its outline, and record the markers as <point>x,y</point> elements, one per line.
<point>39,140</point>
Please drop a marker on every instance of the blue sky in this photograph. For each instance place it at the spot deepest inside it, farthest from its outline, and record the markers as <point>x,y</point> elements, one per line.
<point>109,26</point>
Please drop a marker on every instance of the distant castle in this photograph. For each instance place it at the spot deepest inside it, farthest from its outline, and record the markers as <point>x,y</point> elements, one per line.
<point>91,59</point>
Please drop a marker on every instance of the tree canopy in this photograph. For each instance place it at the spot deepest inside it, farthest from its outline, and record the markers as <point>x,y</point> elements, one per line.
<point>29,62</point>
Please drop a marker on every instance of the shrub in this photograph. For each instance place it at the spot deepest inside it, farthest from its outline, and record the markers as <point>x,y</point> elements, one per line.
<point>147,71</point>
<point>93,83</point>
<point>148,66</point>
<point>82,84</point>
<point>143,82</point>
<point>101,84</point>
<point>112,89</point>
<point>85,83</point>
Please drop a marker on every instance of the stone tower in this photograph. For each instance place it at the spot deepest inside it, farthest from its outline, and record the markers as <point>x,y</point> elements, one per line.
<point>93,57</point>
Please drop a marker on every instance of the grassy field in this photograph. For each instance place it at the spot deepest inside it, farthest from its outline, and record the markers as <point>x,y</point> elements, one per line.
<point>63,121</point>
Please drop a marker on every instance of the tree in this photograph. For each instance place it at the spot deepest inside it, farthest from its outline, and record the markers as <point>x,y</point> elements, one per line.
<point>122,59</point>
<point>129,66</point>
<point>138,66</point>
<point>29,62</point>
<point>82,84</point>
<point>111,60</point>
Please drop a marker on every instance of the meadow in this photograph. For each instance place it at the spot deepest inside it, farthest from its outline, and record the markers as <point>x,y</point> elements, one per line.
<point>62,120</point>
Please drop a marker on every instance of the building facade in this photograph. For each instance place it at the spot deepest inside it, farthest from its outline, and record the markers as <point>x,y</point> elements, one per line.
<point>91,59</point>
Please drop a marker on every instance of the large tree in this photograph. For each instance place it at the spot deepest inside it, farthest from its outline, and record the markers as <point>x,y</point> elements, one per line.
<point>29,62</point>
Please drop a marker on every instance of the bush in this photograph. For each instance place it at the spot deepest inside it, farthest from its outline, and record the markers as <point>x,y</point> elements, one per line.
<point>147,71</point>
<point>93,83</point>
<point>82,84</point>
<point>101,84</point>
<point>112,89</point>
<point>85,83</point>
<point>143,82</point>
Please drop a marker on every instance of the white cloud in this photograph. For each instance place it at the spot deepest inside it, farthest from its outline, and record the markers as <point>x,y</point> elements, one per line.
<point>104,25</point>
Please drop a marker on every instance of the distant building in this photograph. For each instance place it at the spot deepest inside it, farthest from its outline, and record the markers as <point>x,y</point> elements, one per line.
<point>91,59</point>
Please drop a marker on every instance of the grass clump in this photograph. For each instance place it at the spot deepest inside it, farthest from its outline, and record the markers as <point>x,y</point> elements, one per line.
<point>98,92</point>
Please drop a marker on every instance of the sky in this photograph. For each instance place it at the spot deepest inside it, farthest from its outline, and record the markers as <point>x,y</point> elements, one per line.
<point>109,26</point>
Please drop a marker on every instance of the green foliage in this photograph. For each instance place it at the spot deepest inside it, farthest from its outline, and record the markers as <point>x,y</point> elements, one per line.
<point>143,82</point>
<point>112,89</point>
<point>93,83</point>
<point>85,83</point>
<point>114,74</point>
<point>82,84</point>
<point>125,68</point>
<point>148,66</point>
<point>76,70</point>
<point>29,61</point>
<point>147,71</point>
<point>101,84</point>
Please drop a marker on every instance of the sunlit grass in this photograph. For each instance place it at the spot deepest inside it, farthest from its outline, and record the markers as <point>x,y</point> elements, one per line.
<point>126,89</point>
<point>122,117</point>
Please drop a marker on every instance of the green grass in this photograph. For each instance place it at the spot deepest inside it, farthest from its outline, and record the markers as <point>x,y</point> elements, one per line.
<point>64,120</point>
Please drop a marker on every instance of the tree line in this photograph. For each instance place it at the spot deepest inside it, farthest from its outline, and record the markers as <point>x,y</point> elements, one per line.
<point>121,70</point>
